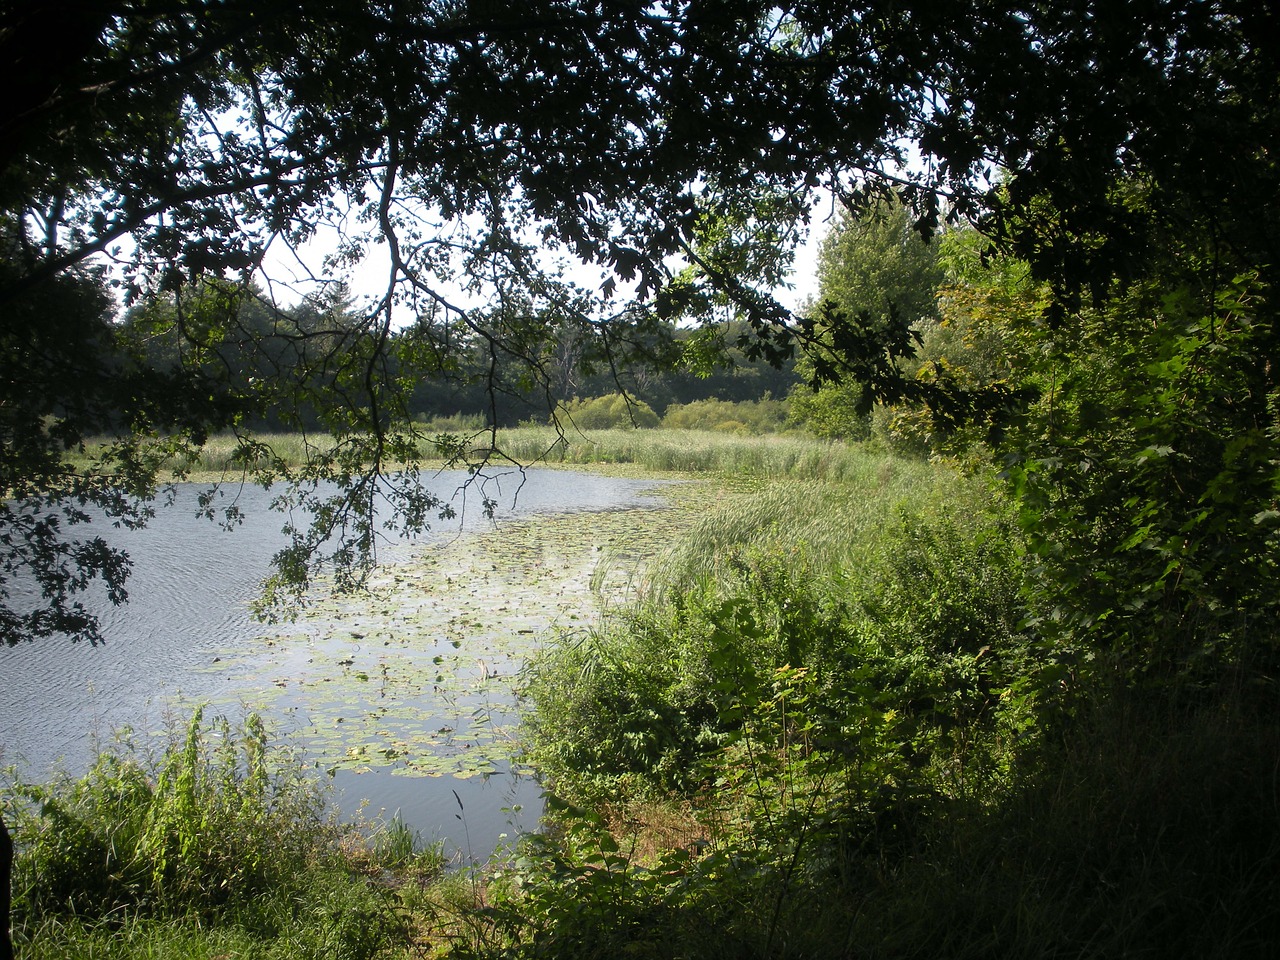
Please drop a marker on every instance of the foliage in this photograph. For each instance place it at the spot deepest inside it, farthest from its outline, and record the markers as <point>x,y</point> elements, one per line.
<point>614,412</point>
<point>833,411</point>
<point>73,376</point>
<point>924,624</point>
<point>485,149</point>
<point>1145,471</point>
<point>1148,477</point>
<point>221,831</point>
<point>984,337</point>
<point>745,416</point>
<point>210,824</point>
<point>817,705</point>
<point>874,263</point>
<point>1146,830</point>
<point>877,268</point>
<point>880,756</point>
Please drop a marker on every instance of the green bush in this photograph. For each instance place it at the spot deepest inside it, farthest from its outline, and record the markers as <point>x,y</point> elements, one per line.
<point>742,417</point>
<point>613,412</point>
<point>637,709</point>
<point>917,618</point>
<point>832,412</point>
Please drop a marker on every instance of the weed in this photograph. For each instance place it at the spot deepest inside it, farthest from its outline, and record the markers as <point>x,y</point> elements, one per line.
<point>220,840</point>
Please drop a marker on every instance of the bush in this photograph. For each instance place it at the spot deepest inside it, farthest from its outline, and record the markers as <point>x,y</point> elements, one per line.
<point>917,619</point>
<point>612,412</point>
<point>744,417</point>
<point>832,412</point>
<point>821,702</point>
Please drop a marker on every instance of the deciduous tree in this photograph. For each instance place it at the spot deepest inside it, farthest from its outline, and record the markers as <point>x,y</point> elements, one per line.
<point>877,268</point>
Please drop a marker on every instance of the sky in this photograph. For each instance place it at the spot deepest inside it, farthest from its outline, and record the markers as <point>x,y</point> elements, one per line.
<point>287,280</point>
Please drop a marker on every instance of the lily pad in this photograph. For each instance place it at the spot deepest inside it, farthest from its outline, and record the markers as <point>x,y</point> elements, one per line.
<point>441,636</point>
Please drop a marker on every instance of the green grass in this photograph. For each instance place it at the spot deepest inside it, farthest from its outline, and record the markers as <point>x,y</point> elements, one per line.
<point>697,451</point>
<point>661,451</point>
<point>226,453</point>
<point>218,845</point>
<point>829,526</point>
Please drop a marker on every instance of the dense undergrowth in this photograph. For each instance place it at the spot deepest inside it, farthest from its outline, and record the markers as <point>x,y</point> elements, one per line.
<point>832,729</point>
<point>833,725</point>
<point>217,846</point>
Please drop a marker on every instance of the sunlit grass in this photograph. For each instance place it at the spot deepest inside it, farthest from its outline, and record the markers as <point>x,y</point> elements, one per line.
<point>693,451</point>
<point>795,456</point>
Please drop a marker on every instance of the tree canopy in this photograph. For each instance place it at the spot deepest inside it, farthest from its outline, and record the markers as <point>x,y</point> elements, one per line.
<point>674,146</point>
<point>876,268</point>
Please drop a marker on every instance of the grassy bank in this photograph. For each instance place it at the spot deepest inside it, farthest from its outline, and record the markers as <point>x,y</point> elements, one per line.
<point>694,451</point>
<point>654,451</point>
<point>216,845</point>
<point>833,729</point>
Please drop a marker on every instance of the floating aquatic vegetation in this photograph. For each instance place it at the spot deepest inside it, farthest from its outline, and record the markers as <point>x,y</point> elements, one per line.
<point>419,672</point>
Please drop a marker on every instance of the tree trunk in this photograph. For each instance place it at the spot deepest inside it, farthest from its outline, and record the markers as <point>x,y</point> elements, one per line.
<point>6,873</point>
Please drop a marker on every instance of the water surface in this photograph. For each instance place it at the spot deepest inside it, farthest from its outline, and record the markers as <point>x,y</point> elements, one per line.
<point>186,637</point>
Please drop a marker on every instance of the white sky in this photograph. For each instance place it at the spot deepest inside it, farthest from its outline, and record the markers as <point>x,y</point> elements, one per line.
<point>288,280</point>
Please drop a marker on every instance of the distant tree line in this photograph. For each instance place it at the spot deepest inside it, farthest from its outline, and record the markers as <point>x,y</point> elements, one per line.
<point>254,348</point>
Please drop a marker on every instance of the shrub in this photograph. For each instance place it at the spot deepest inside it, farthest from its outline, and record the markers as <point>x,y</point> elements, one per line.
<point>744,416</point>
<point>832,412</point>
<point>614,411</point>
<point>918,618</point>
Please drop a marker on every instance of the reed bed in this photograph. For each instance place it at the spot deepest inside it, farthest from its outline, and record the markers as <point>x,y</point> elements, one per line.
<point>833,529</point>
<point>696,451</point>
<point>227,453</point>
<point>794,456</point>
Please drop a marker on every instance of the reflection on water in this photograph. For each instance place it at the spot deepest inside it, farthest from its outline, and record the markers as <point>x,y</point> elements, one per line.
<point>472,816</point>
<point>189,595</point>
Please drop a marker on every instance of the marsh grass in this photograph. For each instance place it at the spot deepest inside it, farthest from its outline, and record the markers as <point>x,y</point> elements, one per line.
<point>684,451</point>
<point>695,451</point>
<point>228,454</point>
<point>838,694</point>
<point>828,527</point>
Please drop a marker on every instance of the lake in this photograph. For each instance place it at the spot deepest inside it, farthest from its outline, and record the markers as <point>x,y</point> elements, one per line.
<point>403,695</point>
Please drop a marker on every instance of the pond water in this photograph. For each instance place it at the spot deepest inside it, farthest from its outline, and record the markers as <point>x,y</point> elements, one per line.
<point>403,695</point>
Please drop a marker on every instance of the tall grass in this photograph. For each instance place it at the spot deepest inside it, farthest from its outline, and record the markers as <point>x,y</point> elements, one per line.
<point>662,450</point>
<point>218,845</point>
<point>228,454</point>
<point>831,528</point>
<point>844,689</point>
<point>701,451</point>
